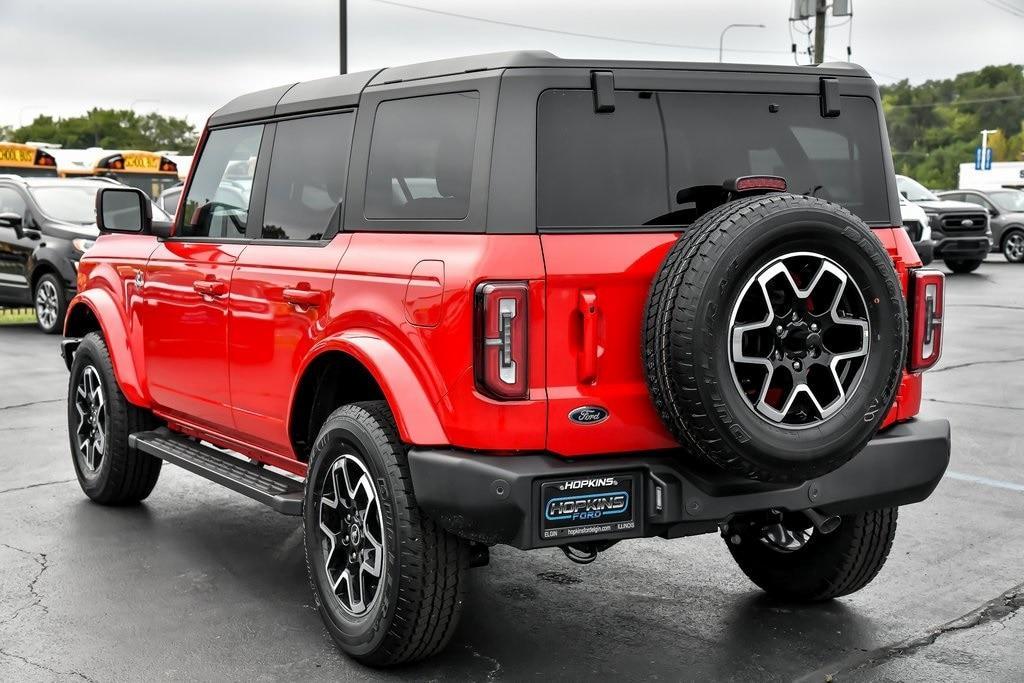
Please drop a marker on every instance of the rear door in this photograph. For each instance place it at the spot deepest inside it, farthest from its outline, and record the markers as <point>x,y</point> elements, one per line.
<point>614,192</point>
<point>281,291</point>
<point>187,281</point>
<point>14,251</point>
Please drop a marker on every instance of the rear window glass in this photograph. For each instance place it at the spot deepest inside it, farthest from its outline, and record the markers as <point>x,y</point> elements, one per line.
<point>421,157</point>
<point>649,161</point>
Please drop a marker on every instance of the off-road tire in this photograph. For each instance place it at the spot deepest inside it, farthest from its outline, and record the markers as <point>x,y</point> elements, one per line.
<point>963,265</point>
<point>687,317</point>
<point>125,475</point>
<point>425,576</point>
<point>61,303</point>
<point>828,566</point>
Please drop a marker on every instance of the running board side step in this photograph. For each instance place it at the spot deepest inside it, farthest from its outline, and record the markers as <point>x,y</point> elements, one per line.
<point>282,493</point>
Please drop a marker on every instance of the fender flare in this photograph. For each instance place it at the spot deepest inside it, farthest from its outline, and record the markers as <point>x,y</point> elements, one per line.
<point>115,333</point>
<point>414,412</point>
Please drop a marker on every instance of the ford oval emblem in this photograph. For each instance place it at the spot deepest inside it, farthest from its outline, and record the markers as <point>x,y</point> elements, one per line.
<point>967,223</point>
<point>588,415</point>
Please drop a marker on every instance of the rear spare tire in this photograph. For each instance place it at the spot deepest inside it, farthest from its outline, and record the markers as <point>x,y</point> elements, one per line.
<point>775,337</point>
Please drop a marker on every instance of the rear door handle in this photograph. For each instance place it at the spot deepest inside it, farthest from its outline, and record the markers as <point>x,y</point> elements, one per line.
<point>586,367</point>
<point>303,297</point>
<point>215,288</point>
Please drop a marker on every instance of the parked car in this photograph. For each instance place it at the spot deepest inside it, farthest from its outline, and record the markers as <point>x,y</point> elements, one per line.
<point>960,231</point>
<point>513,299</point>
<point>46,224</point>
<point>1006,217</point>
<point>168,199</point>
<point>919,229</point>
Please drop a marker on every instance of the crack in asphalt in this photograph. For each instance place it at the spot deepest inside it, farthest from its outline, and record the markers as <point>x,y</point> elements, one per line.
<point>957,366</point>
<point>33,403</point>
<point>26,660</point>
<point>39,559</point>
<point>35,486</point>
<point>995,611</point>
<point>493,673</point>
<point>960,403</point>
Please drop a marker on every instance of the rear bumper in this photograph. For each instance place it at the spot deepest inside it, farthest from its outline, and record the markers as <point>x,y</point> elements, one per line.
<point>497,499</point>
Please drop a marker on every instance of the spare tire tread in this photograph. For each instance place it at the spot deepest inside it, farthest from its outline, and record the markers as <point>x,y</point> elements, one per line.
<point>672,324</point>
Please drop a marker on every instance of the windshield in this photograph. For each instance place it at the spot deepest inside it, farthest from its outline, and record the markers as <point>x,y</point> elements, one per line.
<point>75,203</point>
<point>913,190</point>
<point>1010,201</point>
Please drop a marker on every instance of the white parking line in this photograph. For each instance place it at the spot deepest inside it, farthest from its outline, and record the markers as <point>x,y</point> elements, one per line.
<point>996,483</point>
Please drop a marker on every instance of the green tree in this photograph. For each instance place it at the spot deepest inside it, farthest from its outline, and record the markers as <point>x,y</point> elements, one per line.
<point>110,129</point>
<point>935,126</point>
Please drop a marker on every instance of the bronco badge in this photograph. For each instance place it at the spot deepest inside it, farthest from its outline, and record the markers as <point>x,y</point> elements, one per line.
<point>588,415</point>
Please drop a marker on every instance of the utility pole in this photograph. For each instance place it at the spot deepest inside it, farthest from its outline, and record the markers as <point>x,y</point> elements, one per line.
<point>343,34</point>
<point>819,31</point>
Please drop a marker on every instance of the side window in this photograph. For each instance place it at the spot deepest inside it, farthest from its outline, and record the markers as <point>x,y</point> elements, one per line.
<point>308,170</point>
<point>421,157</point>
<point>11,201</point>
<point>217,204</point>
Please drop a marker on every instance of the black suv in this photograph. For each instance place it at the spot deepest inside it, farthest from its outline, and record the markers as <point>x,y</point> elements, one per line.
<point>46,224</point>
<point>960,231</point>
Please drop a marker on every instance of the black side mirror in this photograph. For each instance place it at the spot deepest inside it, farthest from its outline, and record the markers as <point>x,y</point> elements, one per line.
<point>9,219</point>
<point>123,210</point>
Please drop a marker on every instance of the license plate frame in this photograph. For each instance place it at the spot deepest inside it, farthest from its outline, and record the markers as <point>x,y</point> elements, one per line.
<point>590,507</point>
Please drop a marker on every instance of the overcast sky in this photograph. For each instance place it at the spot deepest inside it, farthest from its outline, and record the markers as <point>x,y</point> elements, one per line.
<point>187,57</point>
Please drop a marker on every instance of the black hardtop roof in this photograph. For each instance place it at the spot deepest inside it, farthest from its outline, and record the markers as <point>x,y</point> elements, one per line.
<point>344,91</point>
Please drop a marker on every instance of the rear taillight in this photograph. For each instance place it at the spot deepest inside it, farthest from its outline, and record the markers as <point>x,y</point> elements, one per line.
<point>927,292</point>
<point>501,323</point>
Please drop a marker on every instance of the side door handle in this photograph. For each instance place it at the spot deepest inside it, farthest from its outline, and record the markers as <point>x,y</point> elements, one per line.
<point>214,288</point>
<point>303,297</point>
<point>586,364</point>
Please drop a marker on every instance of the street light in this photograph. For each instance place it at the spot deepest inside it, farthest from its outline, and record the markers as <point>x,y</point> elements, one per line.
<point>721,38</point>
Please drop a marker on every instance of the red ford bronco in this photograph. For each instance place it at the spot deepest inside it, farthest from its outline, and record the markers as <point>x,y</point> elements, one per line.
<point>523,300</point>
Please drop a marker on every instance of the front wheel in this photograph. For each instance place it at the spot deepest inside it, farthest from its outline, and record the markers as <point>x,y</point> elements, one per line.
<point>99,422</point>
<point>963,265</point>
<point>790,559</point>
<point>389,582</point>
<point>50,303</point>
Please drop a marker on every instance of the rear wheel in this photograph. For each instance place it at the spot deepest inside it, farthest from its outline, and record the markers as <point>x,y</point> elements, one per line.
<point>1013,246</point>
<point>50,303</point>
<point>389,582</point>
<point>99,422</point>
<point>790,559</point>
<point>963,265</point>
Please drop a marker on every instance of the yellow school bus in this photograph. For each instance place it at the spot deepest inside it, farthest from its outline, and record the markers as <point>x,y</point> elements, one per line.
<point>26,160</point>
<point>148,171</point>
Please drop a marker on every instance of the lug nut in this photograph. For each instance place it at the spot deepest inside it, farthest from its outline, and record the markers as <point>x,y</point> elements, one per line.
<point>814,327</point>
<point>796,365</point>
<point>778,329</point>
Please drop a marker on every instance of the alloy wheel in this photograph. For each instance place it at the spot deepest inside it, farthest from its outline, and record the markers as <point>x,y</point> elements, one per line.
<point>1013,248</point>
<point>352,535</point>
<point>91,431</point>
<point>799,338</point>
<point>46,304</point>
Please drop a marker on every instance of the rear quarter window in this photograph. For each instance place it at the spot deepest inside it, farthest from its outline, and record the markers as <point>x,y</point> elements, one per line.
<point>626,168</point>
<point>421,157</point>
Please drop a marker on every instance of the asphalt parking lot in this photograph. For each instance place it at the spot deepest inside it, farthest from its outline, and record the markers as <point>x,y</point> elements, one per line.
<point>201,583</point>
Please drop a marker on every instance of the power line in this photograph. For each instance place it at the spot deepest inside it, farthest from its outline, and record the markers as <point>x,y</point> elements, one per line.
<point>956,103</point>
<point>575,34</point>
<point>1012,10</point>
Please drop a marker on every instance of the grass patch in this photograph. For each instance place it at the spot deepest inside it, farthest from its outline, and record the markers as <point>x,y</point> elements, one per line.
<point>17,316</point>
